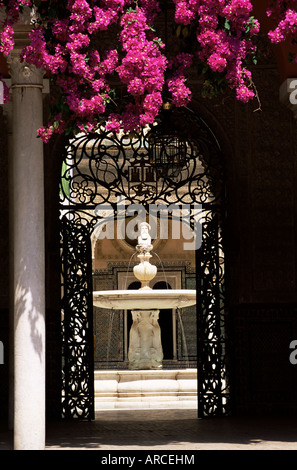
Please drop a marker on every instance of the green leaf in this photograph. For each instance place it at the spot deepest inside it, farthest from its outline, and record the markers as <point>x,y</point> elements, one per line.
<point>291,57</point>
<point>64,181</point>
<point>227,24</point>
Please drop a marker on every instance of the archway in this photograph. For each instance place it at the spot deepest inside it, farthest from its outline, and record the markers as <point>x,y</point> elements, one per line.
<point>103,176</point>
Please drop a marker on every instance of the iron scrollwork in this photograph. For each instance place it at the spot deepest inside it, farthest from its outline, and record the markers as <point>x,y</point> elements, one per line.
<point>77,338</point>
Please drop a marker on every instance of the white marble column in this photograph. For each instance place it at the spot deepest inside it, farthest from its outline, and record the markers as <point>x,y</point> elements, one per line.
<point>27,193</point>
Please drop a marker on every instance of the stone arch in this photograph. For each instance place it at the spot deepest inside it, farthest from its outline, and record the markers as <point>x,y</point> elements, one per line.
<point>201,181</point>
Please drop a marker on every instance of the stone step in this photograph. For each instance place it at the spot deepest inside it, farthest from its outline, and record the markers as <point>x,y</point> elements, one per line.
<point>146,389</point>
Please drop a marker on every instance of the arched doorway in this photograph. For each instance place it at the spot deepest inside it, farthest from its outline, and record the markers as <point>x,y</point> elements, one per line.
<point>103,176</point>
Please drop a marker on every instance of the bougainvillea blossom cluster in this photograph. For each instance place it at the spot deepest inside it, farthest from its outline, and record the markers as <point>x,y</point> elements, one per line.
<point>226,48</point>
<point>286,14</point>
<point>64,42</point>
<point>142,70</point>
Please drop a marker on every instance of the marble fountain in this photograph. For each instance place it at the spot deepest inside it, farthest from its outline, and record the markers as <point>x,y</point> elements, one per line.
<point>145,348</point>
<point>145,384</point>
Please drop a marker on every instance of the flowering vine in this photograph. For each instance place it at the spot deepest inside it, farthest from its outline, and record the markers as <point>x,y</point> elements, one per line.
<point>65,42</point>
<point>285,14</point>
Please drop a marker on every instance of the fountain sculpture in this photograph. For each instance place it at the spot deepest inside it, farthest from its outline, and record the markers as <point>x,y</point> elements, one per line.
<point>145,347</point>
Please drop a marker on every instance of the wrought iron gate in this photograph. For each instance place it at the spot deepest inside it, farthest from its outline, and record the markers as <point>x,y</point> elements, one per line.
<point>213,383</point>
<point>77,317</point>
<point>98,171</point>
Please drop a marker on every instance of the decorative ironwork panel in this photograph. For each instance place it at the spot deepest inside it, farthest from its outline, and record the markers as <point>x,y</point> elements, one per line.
<point>77,318</point>
<point>101,169</point>
<point>213,390</point>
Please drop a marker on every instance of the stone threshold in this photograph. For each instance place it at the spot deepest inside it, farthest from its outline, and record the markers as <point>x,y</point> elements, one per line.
<point>146,389</point>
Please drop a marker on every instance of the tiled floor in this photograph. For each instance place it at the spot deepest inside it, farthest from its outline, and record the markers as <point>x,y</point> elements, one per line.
<point>162,430</point>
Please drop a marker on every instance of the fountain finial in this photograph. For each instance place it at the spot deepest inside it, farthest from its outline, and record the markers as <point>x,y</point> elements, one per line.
<point>144,271</point>
<point>144,238</point>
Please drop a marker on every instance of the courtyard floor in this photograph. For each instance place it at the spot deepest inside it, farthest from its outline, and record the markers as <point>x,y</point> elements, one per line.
<point>165,431</point>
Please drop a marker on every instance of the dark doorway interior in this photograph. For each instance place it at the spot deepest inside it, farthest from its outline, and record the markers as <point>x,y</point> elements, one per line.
<point>165,322</point>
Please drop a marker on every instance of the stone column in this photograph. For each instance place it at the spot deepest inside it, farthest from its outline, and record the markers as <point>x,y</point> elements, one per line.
<point>27,194</point>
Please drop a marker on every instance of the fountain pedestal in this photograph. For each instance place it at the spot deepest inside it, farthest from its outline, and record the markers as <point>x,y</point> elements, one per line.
<point>145,347</point>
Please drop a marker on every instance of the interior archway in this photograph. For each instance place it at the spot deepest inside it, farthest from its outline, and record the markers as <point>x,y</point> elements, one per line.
<point>96,173</point>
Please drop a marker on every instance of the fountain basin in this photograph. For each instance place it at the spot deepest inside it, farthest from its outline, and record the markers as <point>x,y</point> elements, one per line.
<point>145,299</point>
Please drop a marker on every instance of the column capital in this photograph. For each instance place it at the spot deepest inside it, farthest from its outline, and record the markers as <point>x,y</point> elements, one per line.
<point>28,17</point>
<point>23,74</point>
